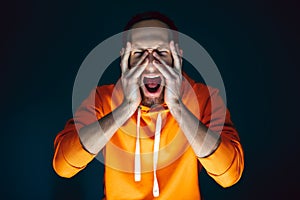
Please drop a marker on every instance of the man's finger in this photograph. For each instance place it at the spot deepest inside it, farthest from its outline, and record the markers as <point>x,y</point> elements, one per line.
<point>124,61</point>
<point>166,67</point>
<point>137,71</point>
<point>137,65</point>
<point>175,55</point>
<point>163,70</point>
<point>179,51</point>
<point>145,54</point>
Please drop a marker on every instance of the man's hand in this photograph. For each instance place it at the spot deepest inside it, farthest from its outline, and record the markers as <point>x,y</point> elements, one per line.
<point>131,76</point>
<point>172,75</point>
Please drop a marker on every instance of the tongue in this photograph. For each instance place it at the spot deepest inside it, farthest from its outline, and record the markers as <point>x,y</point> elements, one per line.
<point>151,85</point>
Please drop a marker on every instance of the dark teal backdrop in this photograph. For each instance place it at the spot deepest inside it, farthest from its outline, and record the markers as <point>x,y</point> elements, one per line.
<point>255,45</point>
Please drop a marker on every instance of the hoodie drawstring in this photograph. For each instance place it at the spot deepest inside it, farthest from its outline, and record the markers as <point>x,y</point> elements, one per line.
<point>137,158</point>
<point>137,161</point>
<point>155,154</point>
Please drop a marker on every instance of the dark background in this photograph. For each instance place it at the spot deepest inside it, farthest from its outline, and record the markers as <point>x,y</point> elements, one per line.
<point>255,45</point>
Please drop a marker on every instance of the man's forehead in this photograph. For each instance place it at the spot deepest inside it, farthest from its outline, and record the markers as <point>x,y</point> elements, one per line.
<point>149,35</point>
<point>150,44</point>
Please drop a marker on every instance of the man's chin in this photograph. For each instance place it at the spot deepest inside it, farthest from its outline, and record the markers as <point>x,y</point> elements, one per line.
<point>152,99</point>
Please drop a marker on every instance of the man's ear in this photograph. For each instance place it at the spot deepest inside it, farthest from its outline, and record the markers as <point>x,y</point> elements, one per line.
<point>179,51</point>
<point>181,55</point>
<point>122,51</point>
<point>121,54</point>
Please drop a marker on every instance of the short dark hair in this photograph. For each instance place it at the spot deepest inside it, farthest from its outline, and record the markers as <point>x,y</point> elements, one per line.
<point>150,15</point>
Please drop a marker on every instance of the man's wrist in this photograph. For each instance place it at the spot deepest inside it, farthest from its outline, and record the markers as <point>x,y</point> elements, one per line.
<point>175,108</point>
<point>130,106</point>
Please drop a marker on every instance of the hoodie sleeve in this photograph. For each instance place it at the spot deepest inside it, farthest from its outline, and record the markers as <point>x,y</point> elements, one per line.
<point>70,157</point>
<point>226,164</point>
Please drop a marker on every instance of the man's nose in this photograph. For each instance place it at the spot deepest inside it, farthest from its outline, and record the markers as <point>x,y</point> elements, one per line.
<point>151,57</point>
<point>150,67</point>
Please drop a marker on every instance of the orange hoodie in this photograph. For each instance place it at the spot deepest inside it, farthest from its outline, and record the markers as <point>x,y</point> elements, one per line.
<point>177,167</point>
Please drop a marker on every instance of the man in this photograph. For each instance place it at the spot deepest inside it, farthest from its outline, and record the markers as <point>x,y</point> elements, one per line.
<point>156,127</point>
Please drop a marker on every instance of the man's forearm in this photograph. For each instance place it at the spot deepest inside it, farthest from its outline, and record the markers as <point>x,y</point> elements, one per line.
<point>202,140</point>
<point>95,136</point>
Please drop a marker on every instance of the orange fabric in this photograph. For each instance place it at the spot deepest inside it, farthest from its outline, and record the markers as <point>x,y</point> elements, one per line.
<point>177,164</point>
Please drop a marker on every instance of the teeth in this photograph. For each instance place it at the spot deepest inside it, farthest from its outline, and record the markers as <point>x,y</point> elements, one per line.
<point>152,76</point>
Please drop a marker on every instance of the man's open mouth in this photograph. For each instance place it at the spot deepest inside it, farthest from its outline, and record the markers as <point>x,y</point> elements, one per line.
<point>152,84</point>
